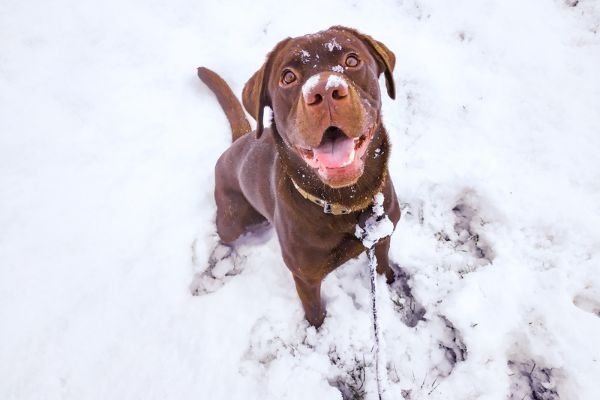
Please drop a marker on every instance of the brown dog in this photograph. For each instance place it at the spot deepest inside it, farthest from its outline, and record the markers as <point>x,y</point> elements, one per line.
<point>314,173</point>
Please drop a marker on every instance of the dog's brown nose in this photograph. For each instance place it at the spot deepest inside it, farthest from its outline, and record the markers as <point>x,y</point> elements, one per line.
<point>324,87</point>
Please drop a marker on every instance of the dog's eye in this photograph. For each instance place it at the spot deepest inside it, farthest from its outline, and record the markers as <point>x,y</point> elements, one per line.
<point>288,77</point>
<point>352,60</point>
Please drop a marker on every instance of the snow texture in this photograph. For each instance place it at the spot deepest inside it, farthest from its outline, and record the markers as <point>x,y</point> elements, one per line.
<point>334,81</point>
<point>107,148</point>
<point>332,44</point>
<point>377,226</point>
<point>310,84</point>
<point>304,56</point>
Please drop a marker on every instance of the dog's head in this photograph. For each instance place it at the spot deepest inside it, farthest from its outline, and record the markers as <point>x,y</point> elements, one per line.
<point>324,92</point>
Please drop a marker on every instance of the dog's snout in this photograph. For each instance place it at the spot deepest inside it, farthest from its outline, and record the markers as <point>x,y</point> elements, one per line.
<point>324,87</point>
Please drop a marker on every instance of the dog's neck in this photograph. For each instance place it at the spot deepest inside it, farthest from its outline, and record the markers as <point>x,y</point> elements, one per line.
<point>356,197</point>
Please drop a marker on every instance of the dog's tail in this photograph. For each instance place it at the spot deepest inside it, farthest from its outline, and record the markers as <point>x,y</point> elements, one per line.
<point>230,104</point>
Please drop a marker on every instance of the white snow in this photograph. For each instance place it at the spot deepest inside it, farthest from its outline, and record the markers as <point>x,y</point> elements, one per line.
<point>332,44</point>
<point>377,226</point>
<point>107,147</point>
<point>334,81</point>
<point>304,56</point>
<point>310,84</point>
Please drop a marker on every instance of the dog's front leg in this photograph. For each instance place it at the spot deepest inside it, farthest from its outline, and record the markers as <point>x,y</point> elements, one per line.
<point>309,292</point>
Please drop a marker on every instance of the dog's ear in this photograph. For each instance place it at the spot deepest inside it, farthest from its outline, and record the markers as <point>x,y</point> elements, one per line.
<point>385,57</point>
<point>387,60</point>
<point>255,99</point>
<point>255,95</point>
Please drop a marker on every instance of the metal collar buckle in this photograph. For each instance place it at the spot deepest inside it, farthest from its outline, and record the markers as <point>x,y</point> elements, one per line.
<point>328,208</point>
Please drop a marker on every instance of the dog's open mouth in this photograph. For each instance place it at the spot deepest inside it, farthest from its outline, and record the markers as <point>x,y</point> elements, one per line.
<point>337,154</point>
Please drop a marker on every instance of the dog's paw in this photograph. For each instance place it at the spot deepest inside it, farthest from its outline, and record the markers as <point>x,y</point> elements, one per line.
<point>405,304</point>
<point>223,264</point>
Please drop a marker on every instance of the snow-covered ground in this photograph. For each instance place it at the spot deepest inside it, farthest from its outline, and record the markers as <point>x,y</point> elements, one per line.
<point>107,147</point>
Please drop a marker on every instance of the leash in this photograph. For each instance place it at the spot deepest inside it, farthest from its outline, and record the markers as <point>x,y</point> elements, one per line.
<point>372,269</point>
<point>377,227</point>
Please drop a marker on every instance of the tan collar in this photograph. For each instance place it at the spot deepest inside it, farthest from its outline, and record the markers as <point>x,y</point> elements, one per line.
<point>328,208</point>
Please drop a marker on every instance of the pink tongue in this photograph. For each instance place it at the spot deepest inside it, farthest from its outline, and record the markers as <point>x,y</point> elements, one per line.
<point>335,154</point>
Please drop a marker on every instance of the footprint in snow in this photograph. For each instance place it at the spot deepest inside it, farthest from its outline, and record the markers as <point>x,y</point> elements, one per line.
<point>467,226</point>
<point>588,304</point>
<point>532,381</point>
<point>531,378</point>
<point>405,304</point>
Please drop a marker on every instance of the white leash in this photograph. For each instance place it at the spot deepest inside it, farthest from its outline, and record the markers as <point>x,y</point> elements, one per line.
<point>378,360</point>
<point>377,227</point>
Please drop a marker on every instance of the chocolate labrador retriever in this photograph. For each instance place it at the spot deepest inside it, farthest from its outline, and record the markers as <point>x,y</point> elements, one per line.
<point>314,173</point>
